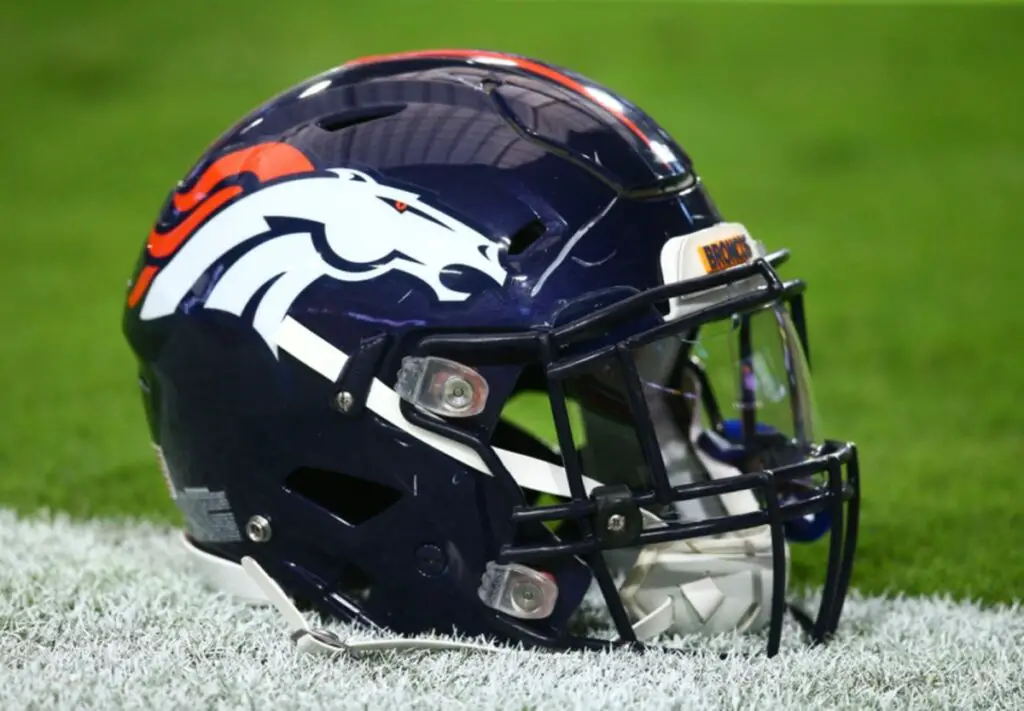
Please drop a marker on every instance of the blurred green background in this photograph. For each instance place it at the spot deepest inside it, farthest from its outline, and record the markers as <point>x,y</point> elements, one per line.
<point>884,145</point>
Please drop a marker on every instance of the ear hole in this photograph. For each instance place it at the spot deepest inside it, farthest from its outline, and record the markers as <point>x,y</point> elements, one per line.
<point>524,238</point>
<point>351,499</point>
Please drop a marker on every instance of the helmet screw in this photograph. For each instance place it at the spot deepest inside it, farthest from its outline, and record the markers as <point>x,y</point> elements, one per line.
<point>458,393</point>
<point>616,523</point>
<point>258,529</point>
<point>431,560</point>
<point>344,400</point>
<point>526,596</point>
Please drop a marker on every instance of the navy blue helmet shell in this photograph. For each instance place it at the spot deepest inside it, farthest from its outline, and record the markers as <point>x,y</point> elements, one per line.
<point>343,305</point>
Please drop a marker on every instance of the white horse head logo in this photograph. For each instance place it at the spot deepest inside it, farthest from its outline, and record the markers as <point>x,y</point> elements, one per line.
<point>339,223</point>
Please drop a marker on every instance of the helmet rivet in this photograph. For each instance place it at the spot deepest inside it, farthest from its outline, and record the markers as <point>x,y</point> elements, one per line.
<point>258,529</point>
<point>344,400</point>
<point>458,393</point>
<point>431,560</point>
<point>616,522</point>
<point>526,596</point>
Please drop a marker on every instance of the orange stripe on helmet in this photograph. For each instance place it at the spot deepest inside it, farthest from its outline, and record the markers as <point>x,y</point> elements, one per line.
<point>524,64</point>
<point>266,161</point>
<point>142,283</point>
<point>164,244</point>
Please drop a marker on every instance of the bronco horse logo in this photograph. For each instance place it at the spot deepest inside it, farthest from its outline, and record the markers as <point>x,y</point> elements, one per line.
<point>304,224</point>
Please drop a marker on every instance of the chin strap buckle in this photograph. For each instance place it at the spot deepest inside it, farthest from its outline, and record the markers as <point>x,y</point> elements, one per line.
<point>317,640</point>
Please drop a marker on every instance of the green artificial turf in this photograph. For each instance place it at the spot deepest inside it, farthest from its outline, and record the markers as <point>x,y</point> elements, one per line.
<point>883,145</point>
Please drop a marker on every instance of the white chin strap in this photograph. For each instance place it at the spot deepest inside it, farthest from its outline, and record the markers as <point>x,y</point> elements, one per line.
<point>709,585</point>
<point>321,641</point>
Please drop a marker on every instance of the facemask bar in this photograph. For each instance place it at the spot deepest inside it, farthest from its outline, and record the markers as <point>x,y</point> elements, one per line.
<point>546,346</point>
<point>747,397</point>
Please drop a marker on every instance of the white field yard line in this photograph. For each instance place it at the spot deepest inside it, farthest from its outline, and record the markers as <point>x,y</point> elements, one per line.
<point>103,615</point>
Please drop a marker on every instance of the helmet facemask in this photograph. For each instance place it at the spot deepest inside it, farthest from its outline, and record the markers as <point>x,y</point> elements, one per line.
<point>721,582</point>
<point>689,450</point>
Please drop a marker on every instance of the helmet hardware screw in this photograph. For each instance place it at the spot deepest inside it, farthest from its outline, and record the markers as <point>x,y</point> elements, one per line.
<point>526,596</point>
<point>258,529</point>
<point>616,522</point>
<point>617,519</point>
<point>458,393</point>
<point>344,400</point>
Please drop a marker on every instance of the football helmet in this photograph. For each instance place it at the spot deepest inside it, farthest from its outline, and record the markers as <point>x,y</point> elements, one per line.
<point>457,341</point>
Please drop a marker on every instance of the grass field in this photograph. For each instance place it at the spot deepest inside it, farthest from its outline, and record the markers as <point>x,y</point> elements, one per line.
<point>106,617</point>
<point>884,145</point>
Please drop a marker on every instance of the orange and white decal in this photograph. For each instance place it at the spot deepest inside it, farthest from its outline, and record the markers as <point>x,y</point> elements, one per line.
<point>265,161</point>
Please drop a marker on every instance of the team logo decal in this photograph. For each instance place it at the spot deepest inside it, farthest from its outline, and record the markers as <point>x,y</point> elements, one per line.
<point>302,224</point>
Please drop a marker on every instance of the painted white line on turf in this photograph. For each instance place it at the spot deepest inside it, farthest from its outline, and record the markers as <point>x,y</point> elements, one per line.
<point>104,615</point>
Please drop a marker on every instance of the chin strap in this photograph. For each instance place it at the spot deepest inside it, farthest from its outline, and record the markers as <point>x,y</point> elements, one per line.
<point>321,641</point>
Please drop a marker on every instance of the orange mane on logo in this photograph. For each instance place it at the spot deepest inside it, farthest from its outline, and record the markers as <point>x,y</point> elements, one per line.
<point>266,161</point>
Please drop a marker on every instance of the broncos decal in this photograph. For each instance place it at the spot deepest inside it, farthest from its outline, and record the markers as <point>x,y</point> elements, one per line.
<point>300,224</point>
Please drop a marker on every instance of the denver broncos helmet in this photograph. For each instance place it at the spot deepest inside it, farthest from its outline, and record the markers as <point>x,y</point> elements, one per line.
<point>457,341</point>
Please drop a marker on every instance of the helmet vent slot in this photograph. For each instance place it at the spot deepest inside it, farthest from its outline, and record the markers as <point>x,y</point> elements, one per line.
<point>524,238</point>
<point>354,117</point>
<point>351,499</point>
